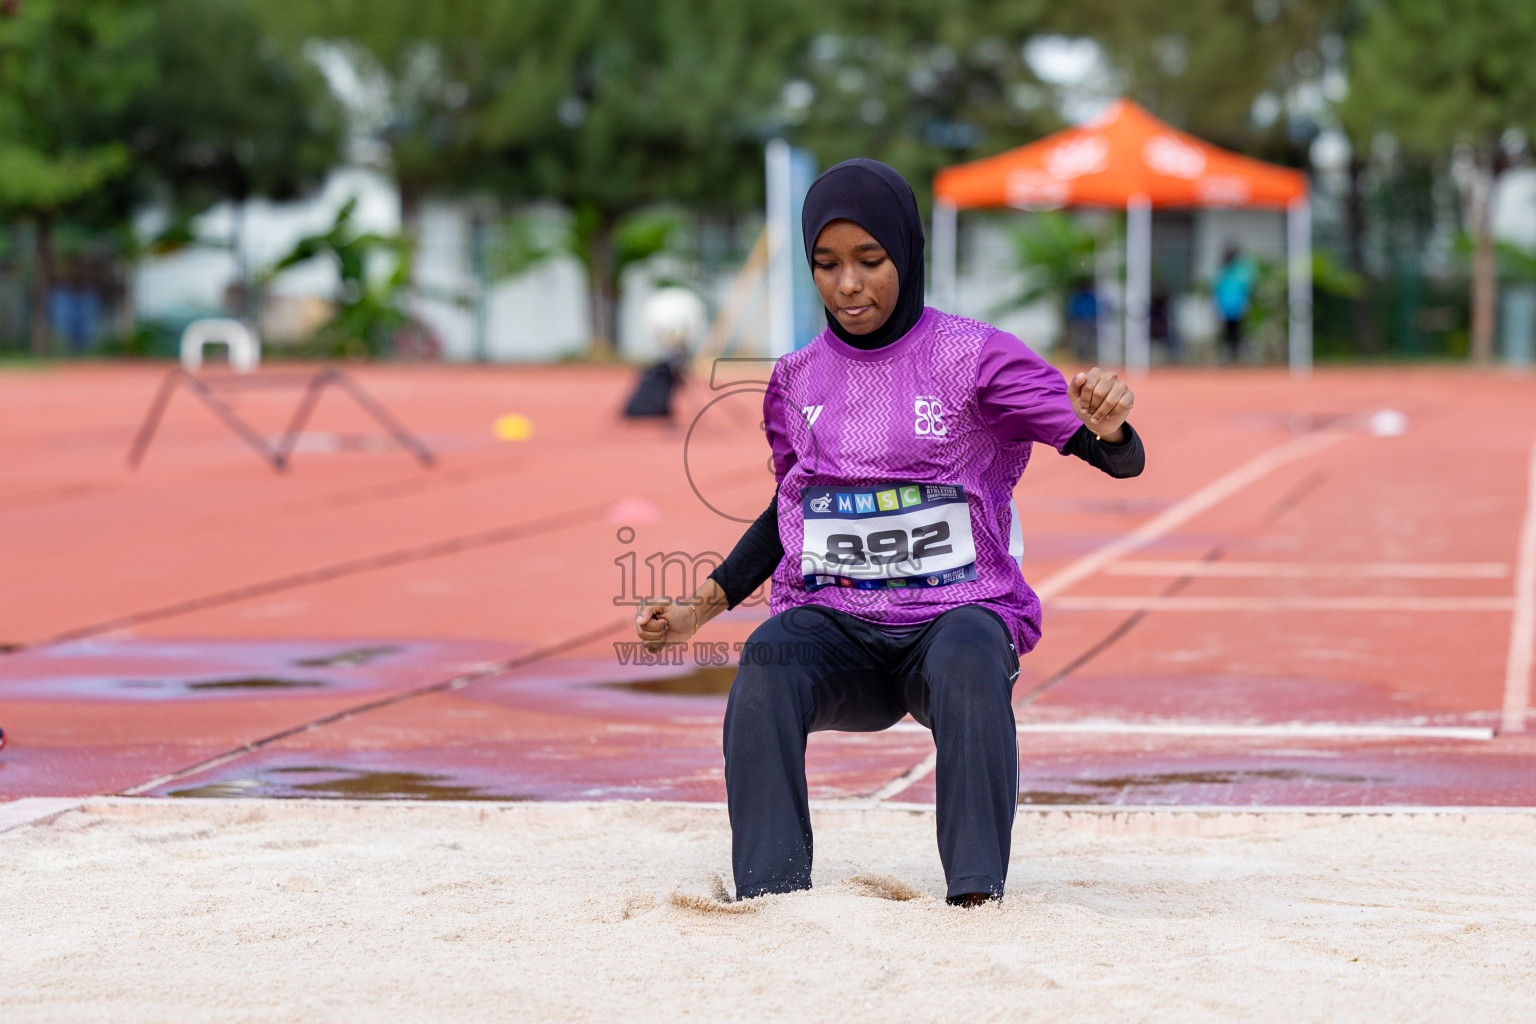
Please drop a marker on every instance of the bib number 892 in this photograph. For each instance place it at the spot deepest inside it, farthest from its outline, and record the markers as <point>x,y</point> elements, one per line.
<point>889,547</point>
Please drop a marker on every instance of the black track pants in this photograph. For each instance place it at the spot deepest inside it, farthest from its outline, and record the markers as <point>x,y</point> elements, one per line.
<point>812,668</point>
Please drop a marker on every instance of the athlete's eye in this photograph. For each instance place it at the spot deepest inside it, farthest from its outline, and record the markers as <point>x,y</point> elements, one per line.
<point>874,263</point>
<point>826,266</point>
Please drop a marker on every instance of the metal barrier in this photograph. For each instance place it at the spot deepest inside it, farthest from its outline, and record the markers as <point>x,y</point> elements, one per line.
<point>279,455</point>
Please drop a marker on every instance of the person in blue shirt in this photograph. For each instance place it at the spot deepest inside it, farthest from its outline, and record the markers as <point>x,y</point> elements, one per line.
<point>1234,295</point>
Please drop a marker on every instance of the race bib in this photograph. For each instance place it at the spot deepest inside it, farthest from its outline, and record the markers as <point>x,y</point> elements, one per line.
<point>892,535</point>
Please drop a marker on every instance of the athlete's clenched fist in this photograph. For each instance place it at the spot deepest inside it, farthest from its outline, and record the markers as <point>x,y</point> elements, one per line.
<point>1102,401</point>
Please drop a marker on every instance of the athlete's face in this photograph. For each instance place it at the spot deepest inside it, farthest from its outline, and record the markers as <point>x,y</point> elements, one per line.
<point>855,276</point>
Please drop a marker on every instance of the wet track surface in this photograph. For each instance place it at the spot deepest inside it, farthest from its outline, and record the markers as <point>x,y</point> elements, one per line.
<point>361,628</point>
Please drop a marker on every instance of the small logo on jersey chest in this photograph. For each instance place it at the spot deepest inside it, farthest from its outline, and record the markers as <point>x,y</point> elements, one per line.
<point>810,412</point>
<point>929,416</point>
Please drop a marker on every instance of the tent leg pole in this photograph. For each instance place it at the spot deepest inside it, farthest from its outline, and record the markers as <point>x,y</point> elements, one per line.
<point>945,244</point>
<point>781,327</point>
<point>1138,286</point>
<point>1108,349</point>
<point>1298,224</point>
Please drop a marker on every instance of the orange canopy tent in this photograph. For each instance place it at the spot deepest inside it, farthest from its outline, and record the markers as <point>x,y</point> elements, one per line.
<point>1128,158</point>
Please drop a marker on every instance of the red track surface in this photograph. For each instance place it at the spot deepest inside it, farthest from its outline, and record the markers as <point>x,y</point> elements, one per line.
<point>458,623</point>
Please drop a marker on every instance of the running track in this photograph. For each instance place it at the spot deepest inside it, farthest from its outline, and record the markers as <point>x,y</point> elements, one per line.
<point>1288,608</point>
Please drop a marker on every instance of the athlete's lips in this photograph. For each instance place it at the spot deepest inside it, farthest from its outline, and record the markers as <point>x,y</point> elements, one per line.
<point>854,311</point>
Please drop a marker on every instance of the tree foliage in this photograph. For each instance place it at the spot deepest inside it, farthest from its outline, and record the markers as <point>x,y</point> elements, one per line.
<point>1205,64</point>
<point>919,85</point>
<point>370,307</point>
<point>68,68</point>
<point>1437,75</point>
<point>106,104</point>
<point>231,113</point>
<point>1454,78</point>
<point>605,107</point>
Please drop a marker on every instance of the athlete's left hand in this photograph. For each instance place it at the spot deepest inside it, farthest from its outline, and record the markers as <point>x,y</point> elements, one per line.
<point>1102,401</point>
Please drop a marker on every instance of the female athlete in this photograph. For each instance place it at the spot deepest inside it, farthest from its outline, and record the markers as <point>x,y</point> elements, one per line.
<point>898,437</point>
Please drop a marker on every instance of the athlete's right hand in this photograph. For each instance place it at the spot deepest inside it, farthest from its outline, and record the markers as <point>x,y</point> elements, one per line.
<point>664,621</point>
<point>1102,401</point>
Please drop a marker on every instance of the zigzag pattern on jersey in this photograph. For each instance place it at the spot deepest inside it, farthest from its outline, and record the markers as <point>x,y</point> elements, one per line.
<point>791,385</point>
<point>1007,462</point>
<point>863,447</point>
<point>953,371</point>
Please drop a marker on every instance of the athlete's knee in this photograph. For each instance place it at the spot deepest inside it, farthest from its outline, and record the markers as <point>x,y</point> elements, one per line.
<point>971,658</point>
<point>971,638</point>
<point>764,687</point>
<point>758,688</point>
<point>765,717</point>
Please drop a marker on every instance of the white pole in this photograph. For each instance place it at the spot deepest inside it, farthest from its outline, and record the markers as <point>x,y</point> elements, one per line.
<point>781,269</point>
<point>1298,224</point>
<point>1138,286</point>
<point>1107,292</point>
<point>945,242</point>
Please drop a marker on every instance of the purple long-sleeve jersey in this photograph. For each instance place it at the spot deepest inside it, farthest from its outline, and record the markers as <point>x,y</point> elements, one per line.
<point>897,467</point>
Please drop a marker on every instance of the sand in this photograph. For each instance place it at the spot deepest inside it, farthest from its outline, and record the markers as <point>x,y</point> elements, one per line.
<point>254,910</point>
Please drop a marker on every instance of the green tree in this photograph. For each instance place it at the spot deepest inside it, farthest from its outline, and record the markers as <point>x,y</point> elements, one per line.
<point>370,307</point>
<point>230,114</point>
<point>1452,80</point>
<point>1205,65</point>
<point>68,68</point>
<point>610,107</point>
<point>917,84</point>
<point>656,103</point>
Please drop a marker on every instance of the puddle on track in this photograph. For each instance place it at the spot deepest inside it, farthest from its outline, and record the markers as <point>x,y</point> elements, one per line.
<point>347,784</point>
<point>1037,797</point>
<point>256,684</point>
<point>355,656</point>
<point>714,681</point>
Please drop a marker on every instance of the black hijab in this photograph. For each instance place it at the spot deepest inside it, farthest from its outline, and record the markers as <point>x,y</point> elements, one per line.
<point>881,202</point>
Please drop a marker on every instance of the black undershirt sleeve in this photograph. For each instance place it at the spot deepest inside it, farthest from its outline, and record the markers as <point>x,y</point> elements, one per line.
<point>1122,460</point>
<point>760,550</point>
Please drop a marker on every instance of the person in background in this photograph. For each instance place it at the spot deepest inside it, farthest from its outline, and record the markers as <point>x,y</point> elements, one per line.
<point>652,397</point>
<point>675,320</point>
<point>1083,322</point>
<point>1234,296</point>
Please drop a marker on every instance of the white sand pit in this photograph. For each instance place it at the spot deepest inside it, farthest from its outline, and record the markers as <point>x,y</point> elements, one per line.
<point>329,911</point>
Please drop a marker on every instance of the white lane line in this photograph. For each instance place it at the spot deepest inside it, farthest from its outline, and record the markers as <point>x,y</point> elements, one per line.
<point>1316,570</point>
<point>1522,627</point>
<point>1130,813</point>
<point>30,809</point>
<point>919,771</point>
<point>1282,730</point>
<point>1384,603</point>
<point>1182,511</point>
<point>1165,522</point>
